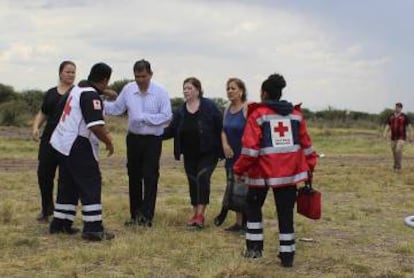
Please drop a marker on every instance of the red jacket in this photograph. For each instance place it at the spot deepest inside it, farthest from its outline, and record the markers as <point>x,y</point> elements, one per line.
<point>276,148</point>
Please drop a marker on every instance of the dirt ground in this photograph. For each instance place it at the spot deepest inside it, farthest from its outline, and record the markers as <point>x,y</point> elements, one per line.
<point>12,164</point>
<point>19,164</point>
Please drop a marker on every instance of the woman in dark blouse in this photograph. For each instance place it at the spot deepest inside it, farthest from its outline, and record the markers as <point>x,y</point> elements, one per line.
<point>196,128</point>
<point>52,106</point>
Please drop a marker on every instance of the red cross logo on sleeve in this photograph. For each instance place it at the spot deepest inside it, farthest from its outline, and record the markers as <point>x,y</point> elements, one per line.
<point>67,109</point>
<point>281,129</point>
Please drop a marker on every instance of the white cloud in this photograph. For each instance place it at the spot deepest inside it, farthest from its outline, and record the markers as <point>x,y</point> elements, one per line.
<point>211,40</point>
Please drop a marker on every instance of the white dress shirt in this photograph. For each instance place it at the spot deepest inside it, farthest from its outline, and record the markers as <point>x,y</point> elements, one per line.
<point>148,112</point>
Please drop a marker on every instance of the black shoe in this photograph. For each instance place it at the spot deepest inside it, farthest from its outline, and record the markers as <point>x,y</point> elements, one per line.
<point>146,222</point>
<point>42,218</point>
<point>133,222</point>
<point>98,236</point>
<point>64,230</point>
<point>285,262</point>
<point>235,228</point>
<point>252,254</point>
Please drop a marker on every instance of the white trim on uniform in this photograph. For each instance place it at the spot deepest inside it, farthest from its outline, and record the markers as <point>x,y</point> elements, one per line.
<point>287,248</point>
<point>94,207</point>
<point>308,151</point>
<point>254,225</point>
<point>287,180</point>
<point>250,152</point>
<point>286,237</point>
<point>283,149</point>
<point>254,237</point>
<point>277,181</point>
<point>94,123</point>
<point>60,215</point>
<point>267,118</point>
<point>65,207</point>
<point>92,218</point>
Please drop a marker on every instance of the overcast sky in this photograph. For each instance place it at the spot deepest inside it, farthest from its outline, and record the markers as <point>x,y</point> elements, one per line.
<point>353,54</point>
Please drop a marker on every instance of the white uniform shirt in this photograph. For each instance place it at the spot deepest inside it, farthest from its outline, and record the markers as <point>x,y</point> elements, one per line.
<point>72,122</point>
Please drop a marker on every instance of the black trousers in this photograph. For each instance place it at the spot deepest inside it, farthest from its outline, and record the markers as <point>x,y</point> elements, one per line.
<point>46,171</point>
<point>79,178</point>
<point>285,199</point>
<point>143,155</point>
<point>199,171</point>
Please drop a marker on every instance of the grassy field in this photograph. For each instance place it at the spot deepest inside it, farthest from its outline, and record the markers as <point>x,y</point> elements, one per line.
<point>361,233</point>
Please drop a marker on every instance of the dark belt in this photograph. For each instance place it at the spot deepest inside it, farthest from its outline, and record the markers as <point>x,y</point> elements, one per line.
<point>142,135</point>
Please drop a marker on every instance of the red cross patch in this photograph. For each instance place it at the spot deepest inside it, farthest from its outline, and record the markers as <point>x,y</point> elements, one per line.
<point>97,104</point>
<point>281,132</point>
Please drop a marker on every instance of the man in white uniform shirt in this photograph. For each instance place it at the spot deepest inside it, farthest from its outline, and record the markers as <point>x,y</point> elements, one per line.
<point>76,138</point>
<point>149,110</point>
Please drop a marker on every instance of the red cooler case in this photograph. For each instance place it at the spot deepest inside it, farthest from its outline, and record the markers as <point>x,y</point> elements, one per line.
<point>309,202</point>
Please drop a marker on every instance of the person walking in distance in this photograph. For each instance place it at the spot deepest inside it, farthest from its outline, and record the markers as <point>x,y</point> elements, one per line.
<point>51,109</point>
<point>76,138</point>
<point>149,109</point>
<point>276,153</point>
<point>398,130</point>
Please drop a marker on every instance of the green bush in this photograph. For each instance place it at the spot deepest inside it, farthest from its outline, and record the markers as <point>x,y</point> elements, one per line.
<point>14,113</point>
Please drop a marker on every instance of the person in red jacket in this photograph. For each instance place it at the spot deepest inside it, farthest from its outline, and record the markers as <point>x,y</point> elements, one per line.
<point>276,153</point>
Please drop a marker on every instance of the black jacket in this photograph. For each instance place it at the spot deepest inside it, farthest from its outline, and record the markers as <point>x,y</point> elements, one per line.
<point>210,124</point>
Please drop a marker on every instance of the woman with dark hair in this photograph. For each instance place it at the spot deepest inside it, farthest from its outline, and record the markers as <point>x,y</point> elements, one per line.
<point>276,153</point>
<point>233,127</point>
<point>196,128</point>
<point>51,109</point>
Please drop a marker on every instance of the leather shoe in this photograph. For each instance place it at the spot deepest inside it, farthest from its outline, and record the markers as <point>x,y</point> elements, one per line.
<point>42,218</point>
<point>64,230</point>
<point>98,236</point>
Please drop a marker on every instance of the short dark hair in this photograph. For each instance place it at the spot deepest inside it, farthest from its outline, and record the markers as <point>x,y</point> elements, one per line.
<point>241,86</point>
<point>142,65</point>
<point>64,64</point>
<point>99,72</point>
<point>196,83</point>
<point>399,104</point>
<point>273,86</point>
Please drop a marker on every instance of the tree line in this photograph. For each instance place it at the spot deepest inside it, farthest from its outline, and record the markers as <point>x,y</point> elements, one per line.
<point>19,108</point>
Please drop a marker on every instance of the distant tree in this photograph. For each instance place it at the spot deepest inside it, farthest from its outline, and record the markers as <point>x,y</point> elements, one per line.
<point>119,84</point>
<point>384,115</point>
<point>33,99</point>
<point>332,114</point>
<point>221,102</point>
<point>176,102</point>
<point>410,115</point>
<point>308,113</point>
<point>13,113</point>
<point>7,93</point>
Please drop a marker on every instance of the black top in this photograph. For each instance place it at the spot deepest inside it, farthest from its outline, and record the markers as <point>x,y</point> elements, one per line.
<point>52,107</point>
<point>210,124</point>
<point>189,134</point>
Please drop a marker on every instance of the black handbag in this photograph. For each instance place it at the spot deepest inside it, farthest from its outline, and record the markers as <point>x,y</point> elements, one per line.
<point>238,194</point>
<point>234,198</point>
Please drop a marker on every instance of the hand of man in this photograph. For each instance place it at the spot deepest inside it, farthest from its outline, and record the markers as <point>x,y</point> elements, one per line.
<point>110,149</point>
<point>110,94</point>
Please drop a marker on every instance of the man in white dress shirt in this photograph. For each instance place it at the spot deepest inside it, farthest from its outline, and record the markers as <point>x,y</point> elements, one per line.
<point>149,110</point>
